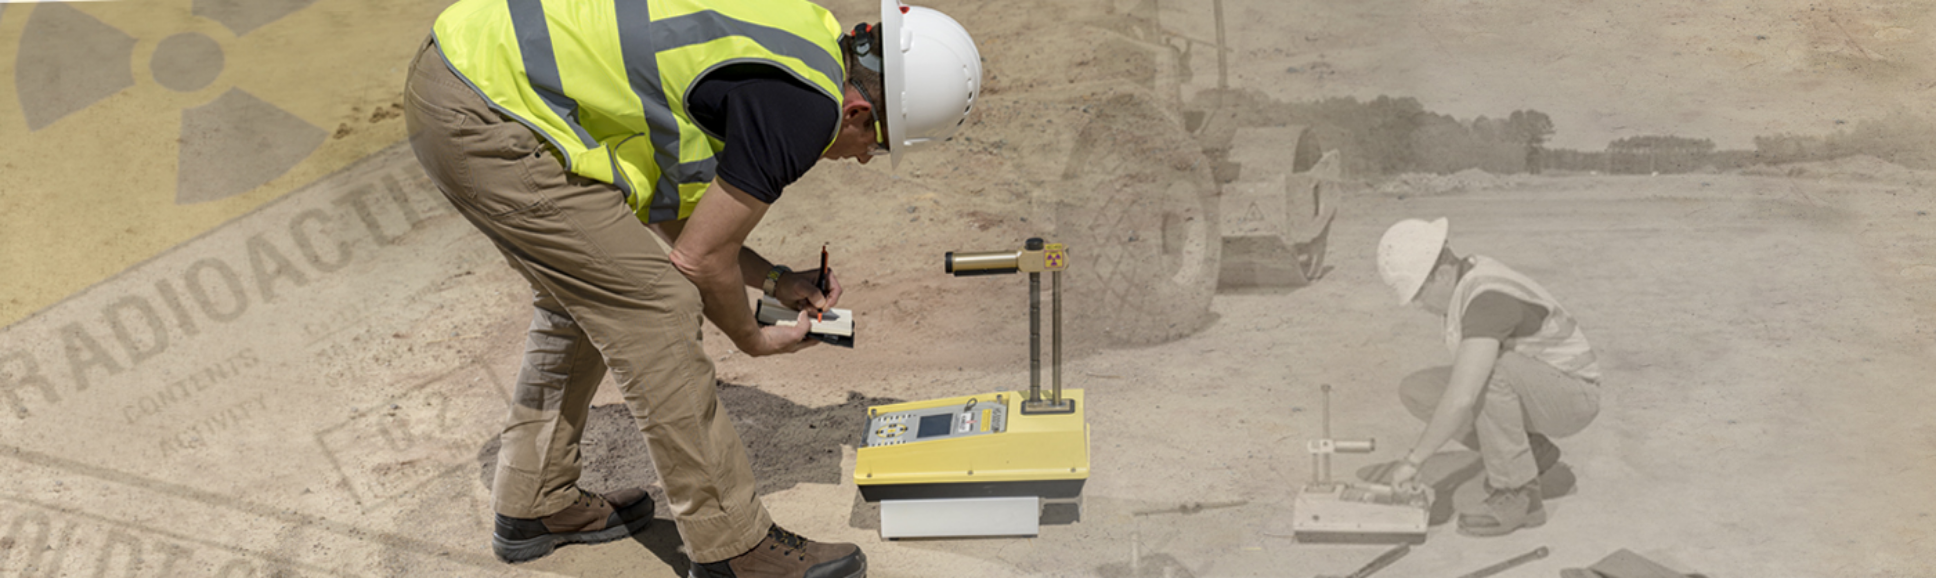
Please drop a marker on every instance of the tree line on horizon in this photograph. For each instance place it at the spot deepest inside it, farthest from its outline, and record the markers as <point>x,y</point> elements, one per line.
<point>1393,135</point>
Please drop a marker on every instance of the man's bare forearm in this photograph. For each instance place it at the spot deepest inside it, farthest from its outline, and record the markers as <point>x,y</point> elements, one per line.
<point>752,266</point>
<point>710,250</point>
<point>1471,367</point>
<point>722,288</point>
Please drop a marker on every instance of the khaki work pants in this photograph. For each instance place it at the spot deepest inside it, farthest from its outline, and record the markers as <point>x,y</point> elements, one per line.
<point>1523,395</point>
<point>605,296</point>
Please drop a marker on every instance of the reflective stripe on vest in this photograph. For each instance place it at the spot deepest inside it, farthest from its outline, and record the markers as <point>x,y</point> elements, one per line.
<point>1559,342</point>
<point>606,81</point>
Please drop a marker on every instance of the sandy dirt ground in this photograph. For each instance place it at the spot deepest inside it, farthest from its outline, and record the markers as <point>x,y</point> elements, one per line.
<point>304,378</point>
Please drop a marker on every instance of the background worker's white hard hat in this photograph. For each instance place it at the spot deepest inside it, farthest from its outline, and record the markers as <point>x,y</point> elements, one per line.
<point>931,72</point>
<point>1407,254</point>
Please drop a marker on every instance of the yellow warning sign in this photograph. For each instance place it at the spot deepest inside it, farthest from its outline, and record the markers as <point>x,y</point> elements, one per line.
<point>1054,257</point>
<point>135,126</point>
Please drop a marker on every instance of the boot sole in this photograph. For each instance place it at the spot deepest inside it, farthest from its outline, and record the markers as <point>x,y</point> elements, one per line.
<point>859,573</point>
<point>862,572</point>
<point>515,551</point>
<point>1532,521</point>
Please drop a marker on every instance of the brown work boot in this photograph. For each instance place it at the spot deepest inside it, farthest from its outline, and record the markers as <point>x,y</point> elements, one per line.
<point>1504,511</point>
<point>789,555</point>
<point>589,520</point>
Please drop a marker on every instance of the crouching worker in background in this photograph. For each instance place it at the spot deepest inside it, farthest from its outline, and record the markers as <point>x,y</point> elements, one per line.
<point>1522,373</point>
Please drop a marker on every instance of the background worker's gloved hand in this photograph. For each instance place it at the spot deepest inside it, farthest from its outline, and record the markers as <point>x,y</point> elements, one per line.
<point>1390,473</point>
<point>796,290</point>
<point>1413,488</point>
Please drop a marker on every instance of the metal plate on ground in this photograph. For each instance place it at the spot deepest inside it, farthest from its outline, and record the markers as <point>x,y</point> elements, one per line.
<point>961,517</point>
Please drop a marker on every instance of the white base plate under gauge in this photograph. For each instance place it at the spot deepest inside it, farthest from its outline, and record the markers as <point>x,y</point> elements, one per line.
<point>975,418</point>
<point>960,517</point>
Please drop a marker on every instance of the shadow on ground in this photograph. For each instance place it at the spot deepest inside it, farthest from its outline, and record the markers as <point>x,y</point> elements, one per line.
<point>1455,476</point>
<point>1151,565</point>
<point>788,444</point>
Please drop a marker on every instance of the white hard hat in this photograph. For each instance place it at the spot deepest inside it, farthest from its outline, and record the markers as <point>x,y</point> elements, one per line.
<point>932,75</point>
<point>1407,254</point>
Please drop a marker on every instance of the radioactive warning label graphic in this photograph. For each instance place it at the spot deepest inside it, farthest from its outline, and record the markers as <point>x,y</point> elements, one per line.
<point>228,146</point>
<point>135,126</point>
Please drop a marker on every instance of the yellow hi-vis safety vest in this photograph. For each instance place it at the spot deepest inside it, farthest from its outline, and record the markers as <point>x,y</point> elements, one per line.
<point>606,81</point>
<point>1559,341</point>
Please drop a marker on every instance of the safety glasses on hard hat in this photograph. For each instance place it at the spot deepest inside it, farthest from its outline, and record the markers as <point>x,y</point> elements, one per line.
<point>869,58</point>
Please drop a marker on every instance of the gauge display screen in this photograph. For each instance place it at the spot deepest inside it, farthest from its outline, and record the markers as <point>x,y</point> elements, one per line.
<point>935,425</point>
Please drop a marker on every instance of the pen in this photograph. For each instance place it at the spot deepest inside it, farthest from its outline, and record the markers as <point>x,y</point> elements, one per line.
<point>821,283</point>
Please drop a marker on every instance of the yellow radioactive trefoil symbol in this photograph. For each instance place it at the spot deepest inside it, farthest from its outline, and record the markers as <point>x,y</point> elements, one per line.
<point>1054,257</point>
<point>135,126</point>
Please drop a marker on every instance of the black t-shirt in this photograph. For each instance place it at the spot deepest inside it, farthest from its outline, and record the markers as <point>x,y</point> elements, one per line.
<point>774,125</point>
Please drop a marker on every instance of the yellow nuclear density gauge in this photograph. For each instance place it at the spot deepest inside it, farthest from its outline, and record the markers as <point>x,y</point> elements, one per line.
<point>981,465</point>
<point>973,445</point>
<point>970,466</point>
